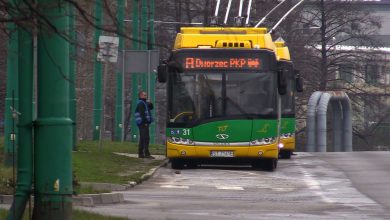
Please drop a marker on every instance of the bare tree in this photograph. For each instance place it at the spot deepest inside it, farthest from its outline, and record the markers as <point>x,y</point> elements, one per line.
<point>331,42</point>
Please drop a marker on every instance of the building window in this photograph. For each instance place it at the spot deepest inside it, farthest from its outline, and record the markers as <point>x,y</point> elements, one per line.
<point>346,72</point>
<point>372,74</point>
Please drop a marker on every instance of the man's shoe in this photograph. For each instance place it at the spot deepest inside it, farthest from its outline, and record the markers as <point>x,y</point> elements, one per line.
<point>141,156</point>
<point>150,157</point>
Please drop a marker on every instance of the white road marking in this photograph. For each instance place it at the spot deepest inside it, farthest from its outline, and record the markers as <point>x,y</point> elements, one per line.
<point>174,186</point>
<point>230,187</point>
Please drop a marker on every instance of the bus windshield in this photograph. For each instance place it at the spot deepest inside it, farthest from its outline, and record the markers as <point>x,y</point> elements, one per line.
<point>197,96</point>
<point>288,102</point>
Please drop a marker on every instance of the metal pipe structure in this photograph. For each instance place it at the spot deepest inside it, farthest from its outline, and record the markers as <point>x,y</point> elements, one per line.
<point>322,108</point>
<point>227,11</point>
<point>347,124</point>
<point>270,12</point>
<point>25,150</point>
<point>317,121</point>
<point>337,125</point>
<point>53,132</point>
<point>311,121</point>
<point>285,15</point>
<point>248,12</point>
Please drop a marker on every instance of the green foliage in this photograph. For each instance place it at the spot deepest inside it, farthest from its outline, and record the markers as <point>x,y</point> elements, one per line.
<point>121,147</point>
<point>90,164</point>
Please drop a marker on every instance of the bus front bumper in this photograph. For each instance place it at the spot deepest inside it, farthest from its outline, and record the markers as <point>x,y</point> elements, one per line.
<point>251,152</point>
<point>288,144</point>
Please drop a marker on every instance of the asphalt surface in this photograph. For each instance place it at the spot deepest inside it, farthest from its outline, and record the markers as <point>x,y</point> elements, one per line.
<point>351,185</point>
<point>368,171</point>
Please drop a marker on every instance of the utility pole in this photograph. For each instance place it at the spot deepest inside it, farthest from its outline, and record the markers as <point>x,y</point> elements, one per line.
<point>25,119</point>
<point>12,95</point>
<point>146,30</point>
<point>324,58</point>
<point>152,75</point>
<point>53,132</point>
<point>97,95</point>
<point>72,74</point>
<point>108,52</point>
<point>144,39</point>
<point>119,106</point>
<point>134,76</point>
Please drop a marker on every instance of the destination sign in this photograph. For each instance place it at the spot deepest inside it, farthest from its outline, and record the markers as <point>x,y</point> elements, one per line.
<point>199,63</point>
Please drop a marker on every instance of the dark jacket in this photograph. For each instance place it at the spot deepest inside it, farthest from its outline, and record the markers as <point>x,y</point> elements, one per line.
<point>141,110</point>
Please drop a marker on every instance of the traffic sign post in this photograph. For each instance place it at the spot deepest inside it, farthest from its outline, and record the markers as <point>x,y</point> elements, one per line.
<point>108,52</point>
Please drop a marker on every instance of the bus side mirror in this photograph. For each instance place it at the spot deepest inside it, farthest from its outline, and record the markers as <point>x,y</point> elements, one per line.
<point>282,82</point>
<point>175,67</point>
<point>162,72</point>
<point>299,84</point>
<point>298,81</point>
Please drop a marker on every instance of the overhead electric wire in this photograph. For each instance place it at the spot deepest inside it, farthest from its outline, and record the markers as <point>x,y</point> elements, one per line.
<point>285,15</point>
<point>217,8</point>
<point>248,12</point>
<point>272,10</point>
<point>227,11</point>
<point>240,9</point>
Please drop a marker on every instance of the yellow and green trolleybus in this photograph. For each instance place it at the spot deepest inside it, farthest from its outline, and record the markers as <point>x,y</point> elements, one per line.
<point>294,84</point>
<point>224,90</point>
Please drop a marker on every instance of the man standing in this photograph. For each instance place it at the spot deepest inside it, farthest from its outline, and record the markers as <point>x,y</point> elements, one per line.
<point>143,118</point>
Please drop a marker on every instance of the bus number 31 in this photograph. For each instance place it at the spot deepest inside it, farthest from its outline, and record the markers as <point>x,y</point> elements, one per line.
<point>186,131</point>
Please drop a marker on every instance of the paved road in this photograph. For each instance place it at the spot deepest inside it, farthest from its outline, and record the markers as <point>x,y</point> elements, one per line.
<point>309,186</point>
<point>368,171</point>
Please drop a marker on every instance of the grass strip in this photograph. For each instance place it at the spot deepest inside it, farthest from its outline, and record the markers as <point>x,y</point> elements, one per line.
<point>92,164</point>
<point>76,214</point>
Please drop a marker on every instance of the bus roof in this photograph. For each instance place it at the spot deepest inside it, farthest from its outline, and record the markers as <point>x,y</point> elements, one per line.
<point>282,51</point>
<point>224,37</point>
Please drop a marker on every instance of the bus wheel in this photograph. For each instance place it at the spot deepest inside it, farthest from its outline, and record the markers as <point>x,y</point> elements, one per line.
<point>285,154</point>
<point>192,165</point>
<point>257,164</point>
<point>270,164</point>
<point>177,164</point>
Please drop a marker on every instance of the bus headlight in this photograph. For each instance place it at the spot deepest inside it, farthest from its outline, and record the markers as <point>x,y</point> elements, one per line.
<point>263,141</point>
<point>287,135</point>
<point>179,140</point>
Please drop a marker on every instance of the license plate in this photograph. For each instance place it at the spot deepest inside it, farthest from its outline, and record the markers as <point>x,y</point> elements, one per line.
<point>221,153</point>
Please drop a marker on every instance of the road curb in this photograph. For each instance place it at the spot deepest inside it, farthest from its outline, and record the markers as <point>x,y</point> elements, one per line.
<point>98,199</point>
<point>90,200</point>
<point>152,171</point>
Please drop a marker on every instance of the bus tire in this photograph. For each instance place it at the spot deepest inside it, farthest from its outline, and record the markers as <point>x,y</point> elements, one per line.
<point>285,154</point>
<point>257,164</point>
<point>270,164</point>
<point>192,165</point>
<point>177,164</point>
